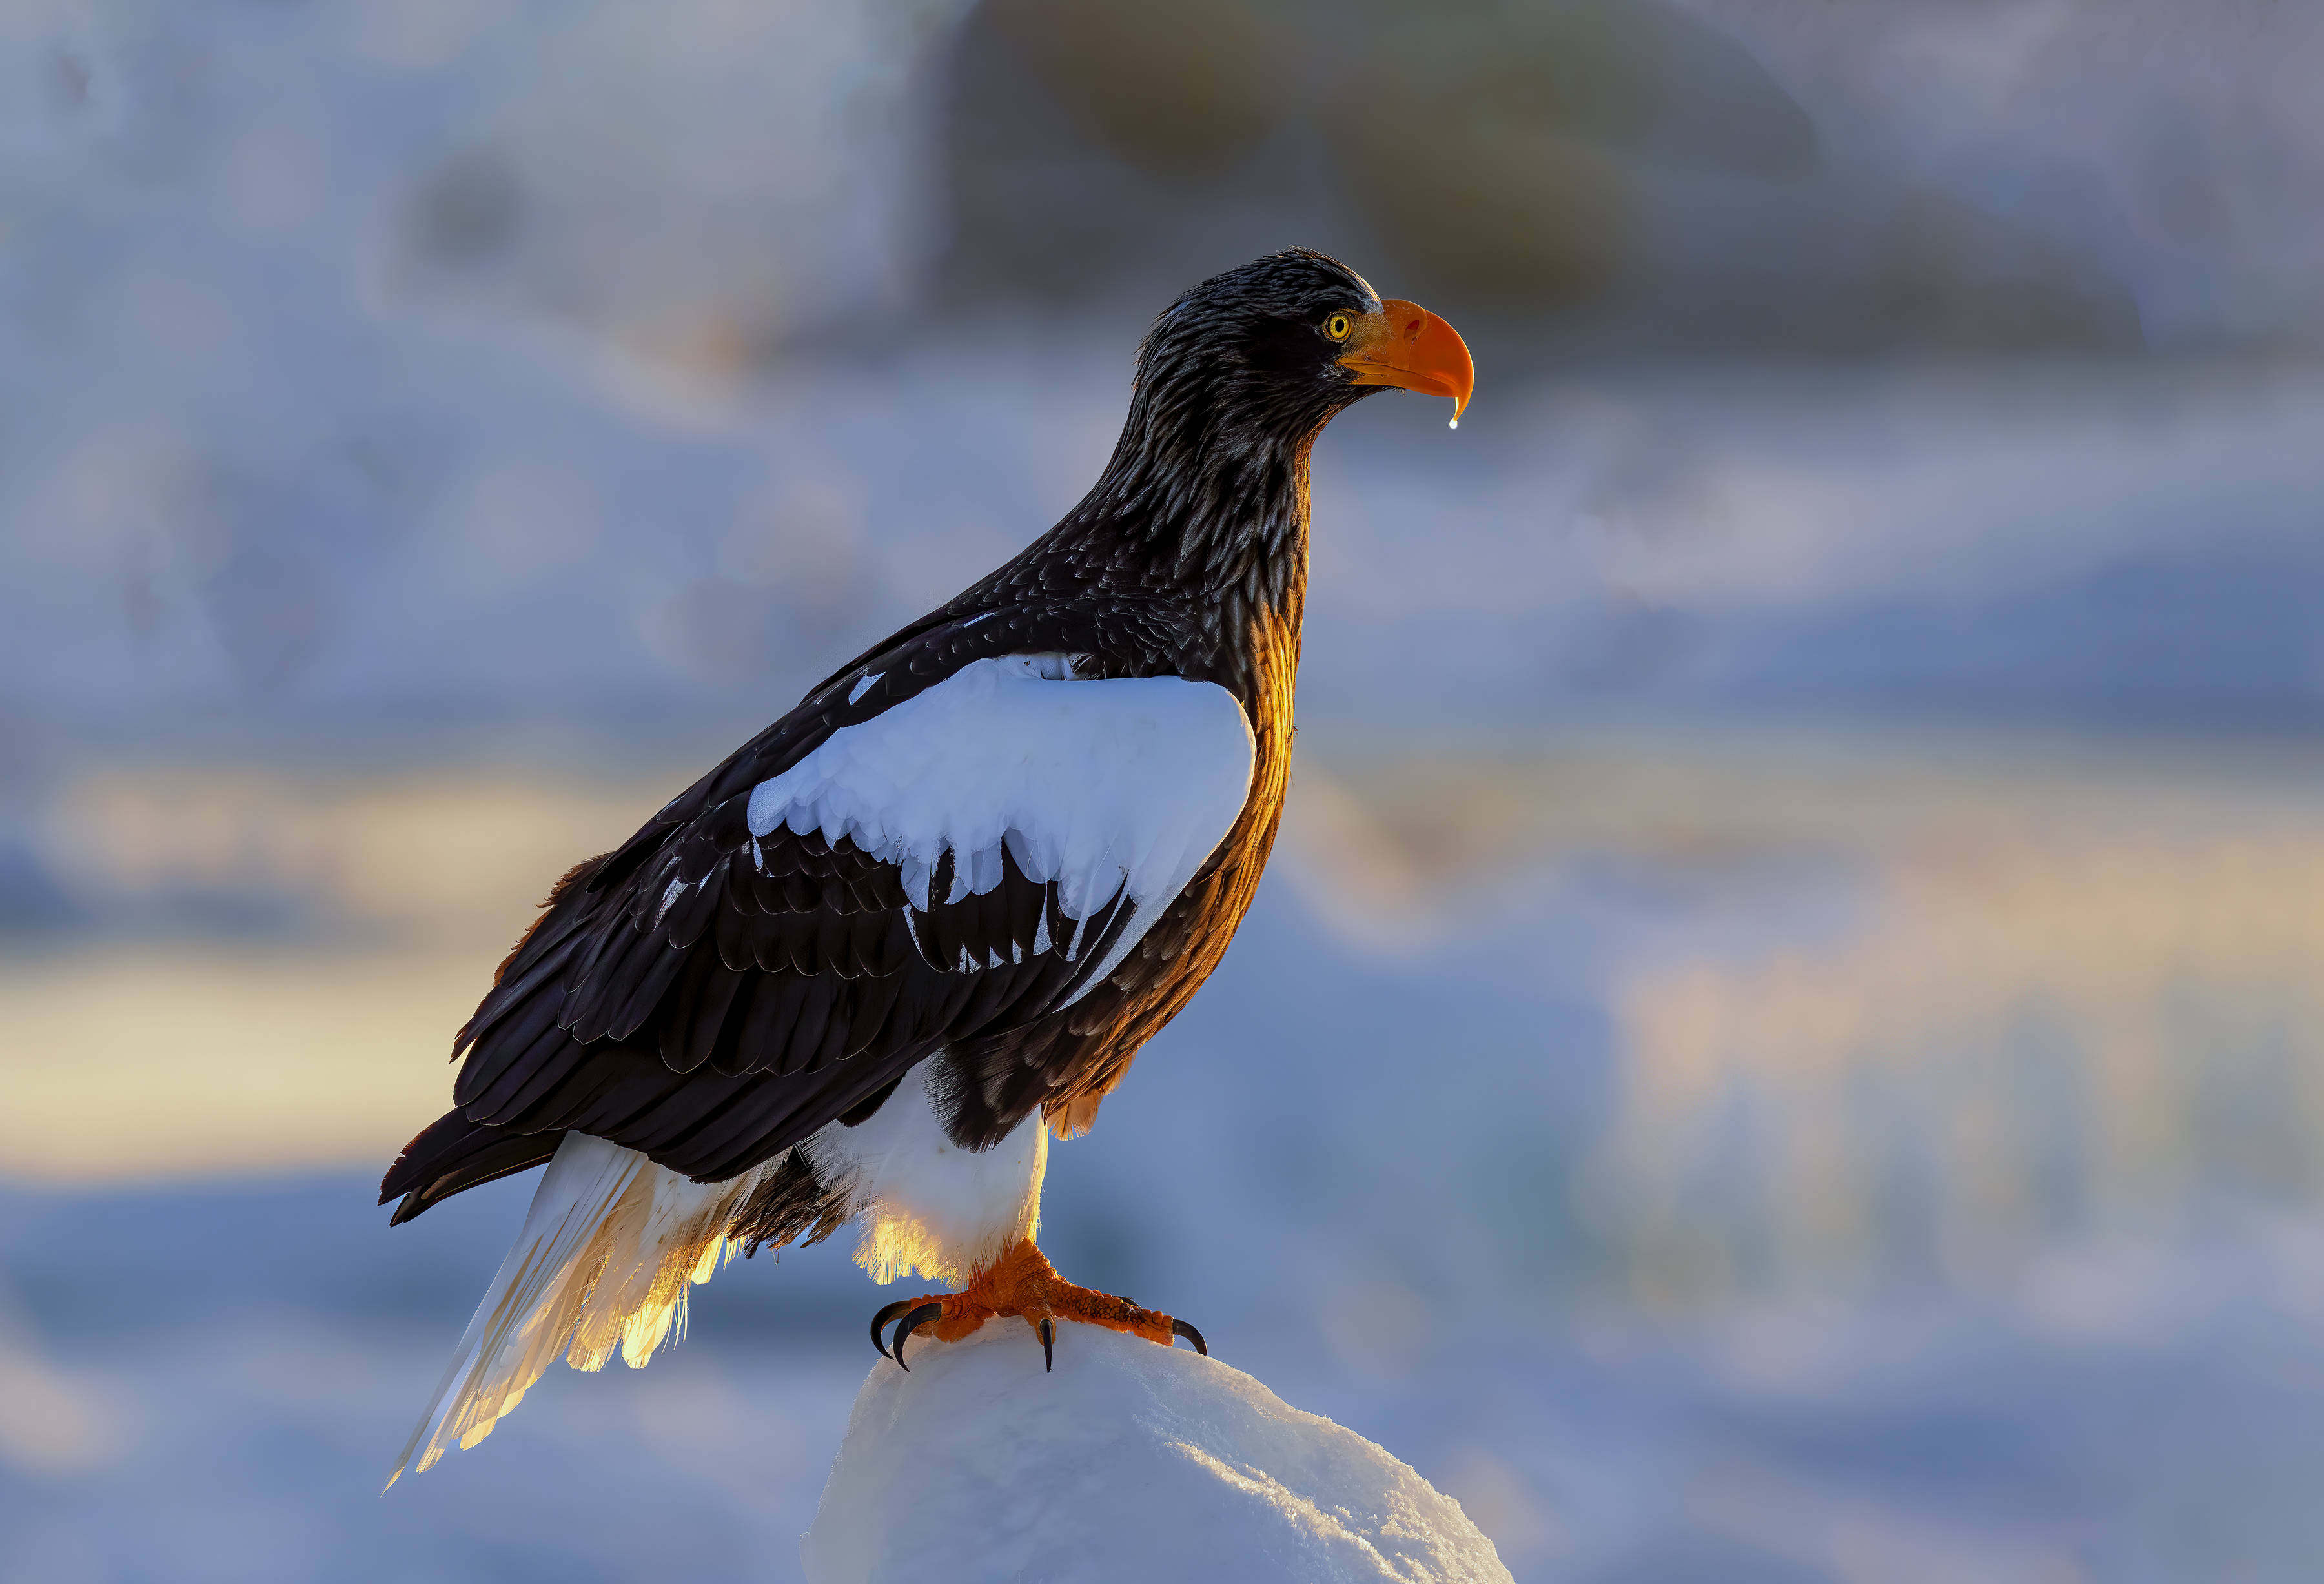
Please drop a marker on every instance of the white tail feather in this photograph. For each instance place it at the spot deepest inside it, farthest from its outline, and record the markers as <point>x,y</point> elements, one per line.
<point>607,1249</point>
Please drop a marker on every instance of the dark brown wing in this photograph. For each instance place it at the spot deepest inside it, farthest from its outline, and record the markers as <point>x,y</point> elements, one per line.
<point>785,984</point>
<point>710,997</point>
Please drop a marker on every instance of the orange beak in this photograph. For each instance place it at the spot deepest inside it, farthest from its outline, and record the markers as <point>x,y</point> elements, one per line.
<point>1406,346</point>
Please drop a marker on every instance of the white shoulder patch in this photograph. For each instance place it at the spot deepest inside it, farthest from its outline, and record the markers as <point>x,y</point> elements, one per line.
<point>1100,785</point>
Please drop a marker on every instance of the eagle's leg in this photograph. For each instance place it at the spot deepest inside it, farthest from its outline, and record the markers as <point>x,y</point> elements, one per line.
<point>1023,1282</point>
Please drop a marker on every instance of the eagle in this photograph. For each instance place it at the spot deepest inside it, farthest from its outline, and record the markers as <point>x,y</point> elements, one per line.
<point>862,971</point>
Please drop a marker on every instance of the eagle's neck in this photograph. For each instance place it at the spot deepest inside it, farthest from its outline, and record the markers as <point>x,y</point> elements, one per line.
<point>1211,511</point>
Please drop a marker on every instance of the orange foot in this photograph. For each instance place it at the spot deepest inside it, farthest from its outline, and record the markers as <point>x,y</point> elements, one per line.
<point>1022,1282</point>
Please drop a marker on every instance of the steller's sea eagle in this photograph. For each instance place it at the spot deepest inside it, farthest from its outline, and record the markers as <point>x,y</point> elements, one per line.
<point>861,969</point>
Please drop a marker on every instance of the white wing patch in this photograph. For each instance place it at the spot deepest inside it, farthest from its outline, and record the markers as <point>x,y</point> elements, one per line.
<point>1100,785</point>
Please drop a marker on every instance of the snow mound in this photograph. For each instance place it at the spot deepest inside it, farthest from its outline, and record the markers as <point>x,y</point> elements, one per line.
<point>1129,1462</point>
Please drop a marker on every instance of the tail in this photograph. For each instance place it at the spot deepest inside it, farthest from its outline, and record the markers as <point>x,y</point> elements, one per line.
<point>607,1249</point>
<point>453,1154</point>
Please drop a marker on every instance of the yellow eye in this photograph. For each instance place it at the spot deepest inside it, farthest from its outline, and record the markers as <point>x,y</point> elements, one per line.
<point>1338,325</point>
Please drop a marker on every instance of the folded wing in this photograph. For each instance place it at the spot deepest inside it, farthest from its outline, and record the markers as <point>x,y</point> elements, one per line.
<point>978,856</point>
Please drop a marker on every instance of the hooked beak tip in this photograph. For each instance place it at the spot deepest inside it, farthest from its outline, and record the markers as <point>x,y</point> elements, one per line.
<point>1406,346</point>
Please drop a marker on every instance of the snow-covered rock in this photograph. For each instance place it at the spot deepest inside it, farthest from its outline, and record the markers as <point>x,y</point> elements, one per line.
<point>1129,1462</point>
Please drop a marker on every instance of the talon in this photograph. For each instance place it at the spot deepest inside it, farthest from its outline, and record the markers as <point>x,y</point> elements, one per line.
<point>879,1323</point>
<point>1022,1285</point>
<point>905,1327</point>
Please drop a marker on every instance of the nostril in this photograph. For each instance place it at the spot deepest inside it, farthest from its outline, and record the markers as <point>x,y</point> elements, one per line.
<point>1412,330</point>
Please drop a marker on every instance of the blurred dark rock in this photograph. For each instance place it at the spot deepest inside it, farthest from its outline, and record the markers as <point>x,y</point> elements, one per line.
<point>1176,88</point>
<point>1493,147</point>
<point>1519,216</point>
<point>1617,169</point>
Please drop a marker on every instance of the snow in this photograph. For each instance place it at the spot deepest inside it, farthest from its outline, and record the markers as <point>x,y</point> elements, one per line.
<point>1127,1462</point>
<point>1098,785</point>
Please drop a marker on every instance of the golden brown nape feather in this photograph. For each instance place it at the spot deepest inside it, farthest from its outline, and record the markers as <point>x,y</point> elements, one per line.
<point>1071,1119</point>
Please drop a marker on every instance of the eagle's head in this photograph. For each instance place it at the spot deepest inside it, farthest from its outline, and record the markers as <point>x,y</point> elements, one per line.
<point>1234,383</point>
<point>1272,350</point>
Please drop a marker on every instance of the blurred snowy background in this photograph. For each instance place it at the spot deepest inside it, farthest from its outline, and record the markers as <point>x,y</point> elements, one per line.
<point>1785,1041</point>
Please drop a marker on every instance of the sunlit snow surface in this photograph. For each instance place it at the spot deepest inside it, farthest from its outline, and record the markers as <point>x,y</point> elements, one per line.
<point>1126,1461</point>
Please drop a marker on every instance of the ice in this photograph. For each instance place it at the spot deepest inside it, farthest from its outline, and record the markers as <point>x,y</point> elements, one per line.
<point>1127,1462</point>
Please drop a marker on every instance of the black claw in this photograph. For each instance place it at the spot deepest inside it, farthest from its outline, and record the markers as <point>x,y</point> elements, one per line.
<point>907,1326</point>
<point>1048,1333</point>
<point>1179,1328</point>
<point>880,1322</point>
